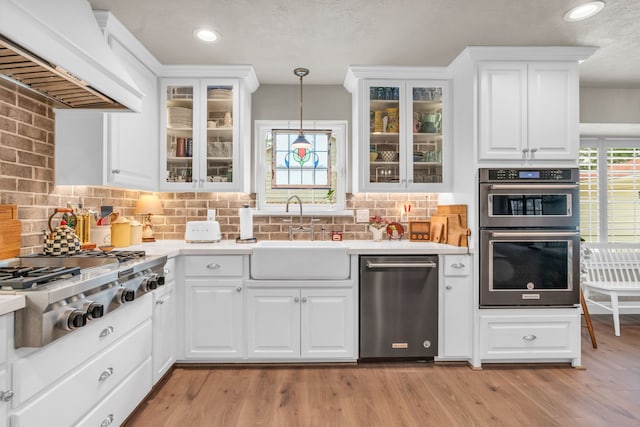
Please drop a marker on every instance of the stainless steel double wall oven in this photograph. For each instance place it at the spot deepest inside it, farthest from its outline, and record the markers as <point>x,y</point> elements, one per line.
<point>529,237</point>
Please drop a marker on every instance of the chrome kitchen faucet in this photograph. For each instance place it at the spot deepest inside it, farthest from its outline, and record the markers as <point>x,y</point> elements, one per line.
<point>301,227</point>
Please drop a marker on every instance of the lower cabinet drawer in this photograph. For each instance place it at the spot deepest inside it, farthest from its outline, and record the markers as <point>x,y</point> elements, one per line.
<point>213,265</point>
<point>42,368</point>
<point>116,407</point>
<point>77,393</point>
<point>505,337</point>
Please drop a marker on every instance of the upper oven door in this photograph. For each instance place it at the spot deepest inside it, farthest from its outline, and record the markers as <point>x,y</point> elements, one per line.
<point>529,205</point>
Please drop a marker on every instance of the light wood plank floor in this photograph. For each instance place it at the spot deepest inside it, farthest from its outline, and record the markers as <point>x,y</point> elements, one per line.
<point>607,393</point>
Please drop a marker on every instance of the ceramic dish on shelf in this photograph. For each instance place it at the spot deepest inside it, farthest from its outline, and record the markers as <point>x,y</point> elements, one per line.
<point>395,230</point>
<point>219,93</point>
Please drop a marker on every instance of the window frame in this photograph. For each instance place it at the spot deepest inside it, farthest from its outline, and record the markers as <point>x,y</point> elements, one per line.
<point>602,144</point>
<point>338,128</point>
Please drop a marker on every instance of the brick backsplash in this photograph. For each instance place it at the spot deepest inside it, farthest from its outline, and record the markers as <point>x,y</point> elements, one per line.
<point>27,180</point>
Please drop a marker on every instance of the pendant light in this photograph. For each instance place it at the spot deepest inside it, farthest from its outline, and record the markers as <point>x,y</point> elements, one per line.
<point>301,142</point>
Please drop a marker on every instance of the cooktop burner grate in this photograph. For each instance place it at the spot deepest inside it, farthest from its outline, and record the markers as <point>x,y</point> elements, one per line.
<point>27,277</point>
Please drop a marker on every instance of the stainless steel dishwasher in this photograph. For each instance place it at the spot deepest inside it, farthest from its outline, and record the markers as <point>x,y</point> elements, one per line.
<point>398,307</point>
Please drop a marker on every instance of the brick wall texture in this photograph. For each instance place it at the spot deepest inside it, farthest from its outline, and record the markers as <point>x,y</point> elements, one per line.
<point>27,169</point>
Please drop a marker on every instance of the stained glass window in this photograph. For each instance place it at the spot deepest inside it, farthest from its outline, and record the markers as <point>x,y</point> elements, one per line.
<point>301,167</point>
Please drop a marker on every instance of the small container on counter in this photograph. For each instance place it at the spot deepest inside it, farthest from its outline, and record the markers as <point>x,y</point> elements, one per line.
<point>121,232</point>
<point>336,236</point>
<point>136,232</point>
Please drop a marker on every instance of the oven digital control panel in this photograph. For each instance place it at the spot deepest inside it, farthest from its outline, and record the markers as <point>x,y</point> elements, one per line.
<point>535,175</point>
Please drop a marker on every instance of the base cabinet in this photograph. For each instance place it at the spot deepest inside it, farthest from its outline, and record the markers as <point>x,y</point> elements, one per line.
<point>213,314</point>
<point>533,335</point>
<point>456,308</point>
<point>296,323</point>
<point>164,326</point>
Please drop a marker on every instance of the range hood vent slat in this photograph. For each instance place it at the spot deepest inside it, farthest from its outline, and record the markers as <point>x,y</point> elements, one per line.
<point>53,82</point>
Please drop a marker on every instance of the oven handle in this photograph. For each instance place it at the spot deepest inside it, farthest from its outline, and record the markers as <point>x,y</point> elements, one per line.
<point>401,264</point>
<point>534,234</point>
<point>533,187</point>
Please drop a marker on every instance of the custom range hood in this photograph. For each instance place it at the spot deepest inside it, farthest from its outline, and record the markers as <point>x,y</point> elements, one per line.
<point>56,48</point>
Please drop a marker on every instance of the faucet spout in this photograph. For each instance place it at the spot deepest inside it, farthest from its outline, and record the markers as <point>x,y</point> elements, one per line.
<point>286,209</point>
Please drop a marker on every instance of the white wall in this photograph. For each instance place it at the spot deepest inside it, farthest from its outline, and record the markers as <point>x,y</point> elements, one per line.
<point>320,102</point>
<point>606,105</point>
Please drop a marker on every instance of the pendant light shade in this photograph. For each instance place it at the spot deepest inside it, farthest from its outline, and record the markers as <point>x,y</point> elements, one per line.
<point>301,142</point>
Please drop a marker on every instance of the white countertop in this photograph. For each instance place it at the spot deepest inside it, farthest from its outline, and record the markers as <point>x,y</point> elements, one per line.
<point>9,303</point>
<point>173,248</point>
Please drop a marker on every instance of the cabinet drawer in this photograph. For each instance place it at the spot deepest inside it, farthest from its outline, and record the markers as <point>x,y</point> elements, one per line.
<point>76,394</point>
<point>116,407</point>
<point>213,265</point>
<point>457,265</point>
<point>46,365</point>
<point>529,337</point>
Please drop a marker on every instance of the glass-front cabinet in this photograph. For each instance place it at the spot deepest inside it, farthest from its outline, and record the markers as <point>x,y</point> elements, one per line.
<point>201,134</point>
<point>401,133</point>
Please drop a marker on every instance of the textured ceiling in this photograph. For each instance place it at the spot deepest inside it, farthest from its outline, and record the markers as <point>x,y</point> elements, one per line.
<point>327,36</point>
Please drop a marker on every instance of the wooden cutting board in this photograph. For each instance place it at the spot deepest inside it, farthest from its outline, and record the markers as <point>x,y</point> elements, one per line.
<point>438,229</point>
<point>456,232</point>
<point>460,210</point>
<point>10,232</point>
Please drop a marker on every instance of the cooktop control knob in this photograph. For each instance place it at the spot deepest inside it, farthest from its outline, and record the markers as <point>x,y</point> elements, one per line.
<point>94,310</point>
<point>161,281</point>
<point>74,319</point>
<point>125,295</point>
<point>150,283</point>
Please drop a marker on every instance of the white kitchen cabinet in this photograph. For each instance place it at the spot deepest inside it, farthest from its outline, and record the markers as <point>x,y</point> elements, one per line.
<point>213,319</point>
<point>6,394</point>
<point>456,308</point>
<point>117,149</point>
<point>401,129</point>
<point>213,307</point>
<point>307,323</point>
<point>164,323</point>
<point>205,126</point>
<point>531,335</point>
<point>528,110</point>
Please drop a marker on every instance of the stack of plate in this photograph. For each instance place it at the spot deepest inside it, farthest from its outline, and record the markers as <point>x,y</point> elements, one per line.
<point>179,117</point>
<point>218,93</point>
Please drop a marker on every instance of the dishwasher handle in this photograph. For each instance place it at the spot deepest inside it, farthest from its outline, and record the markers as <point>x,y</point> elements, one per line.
<point>373,265</point>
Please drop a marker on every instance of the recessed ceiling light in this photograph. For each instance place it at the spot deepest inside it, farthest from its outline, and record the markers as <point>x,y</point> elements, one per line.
<point>584,11</point>
<point>205,34</point>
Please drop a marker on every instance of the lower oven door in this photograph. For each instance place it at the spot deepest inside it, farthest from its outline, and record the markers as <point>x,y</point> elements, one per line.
<point>529,267</point>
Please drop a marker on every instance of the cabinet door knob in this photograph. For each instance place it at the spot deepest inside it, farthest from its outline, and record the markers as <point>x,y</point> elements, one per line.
<point>525,150</point>
<point>529,337</point>
<point>239,289</point>
<point>448,287</point>
<point>167,271</point>
<point>296,299</point>
<point>213,266</point>
<point>304,299</point>
<point>409,181</point>
<point>115,171</point>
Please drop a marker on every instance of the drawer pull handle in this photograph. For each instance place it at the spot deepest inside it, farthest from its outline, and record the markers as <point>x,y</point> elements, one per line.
<point>105,374</point>
<point>213,266</point>
<point>530,337</point>
<point>106,331</point>
<point>160,302</point>
<point>6,396</point>
<point>115,171</point>
<point>457,265</point>
<point>107,421</point>
<point>448,287</point>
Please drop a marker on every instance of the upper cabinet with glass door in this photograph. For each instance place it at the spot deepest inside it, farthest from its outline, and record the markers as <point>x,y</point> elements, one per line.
<point>203,126</point>
<point>401,138</point>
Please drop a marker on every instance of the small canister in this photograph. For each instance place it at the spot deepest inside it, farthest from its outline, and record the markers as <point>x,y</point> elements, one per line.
<point>136,232</point>
<point>120,232</point>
